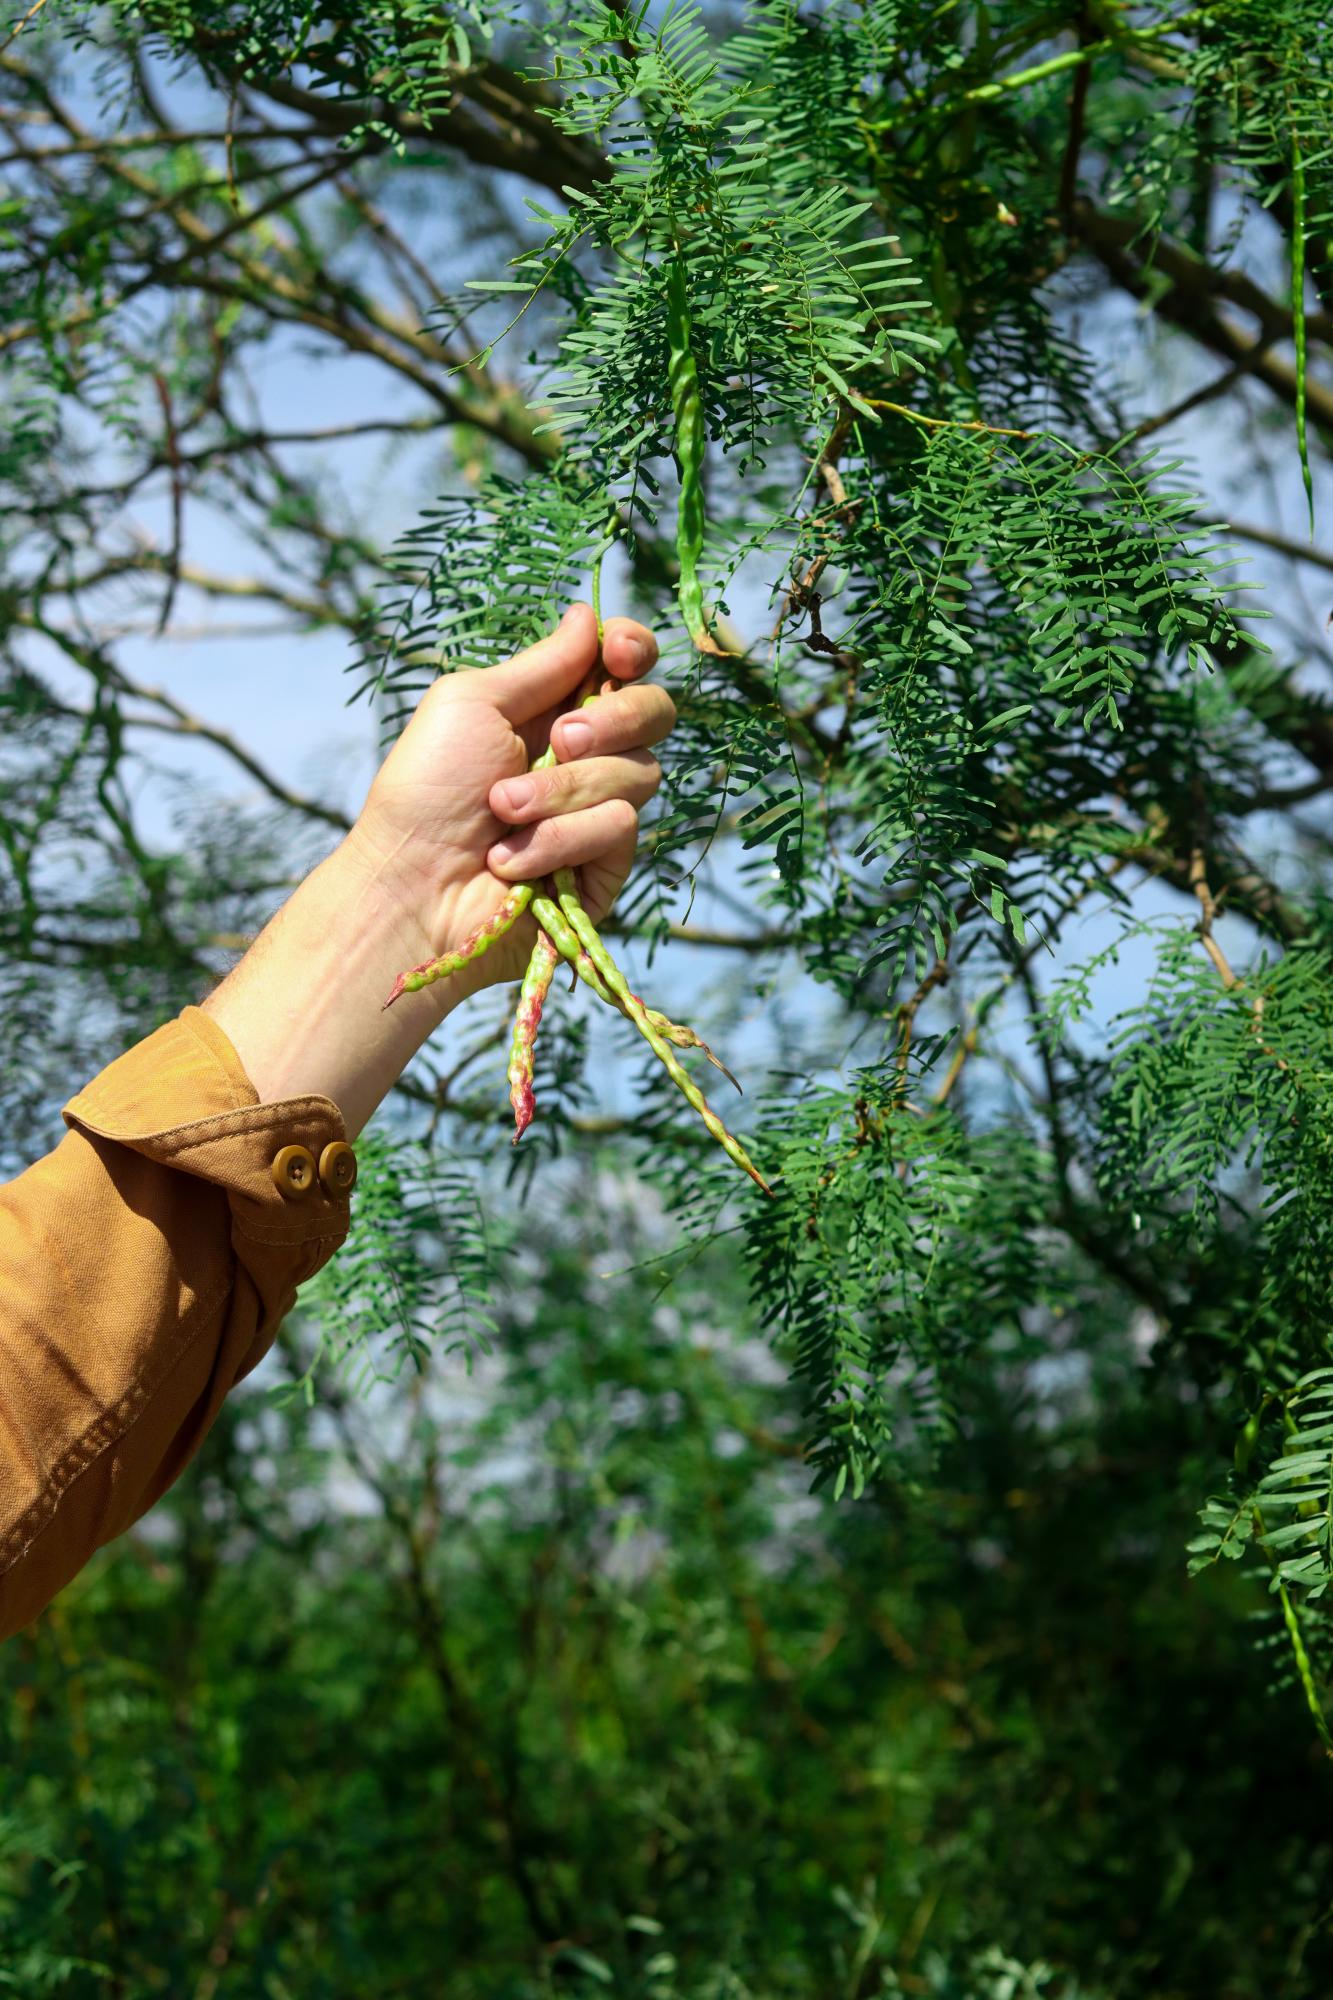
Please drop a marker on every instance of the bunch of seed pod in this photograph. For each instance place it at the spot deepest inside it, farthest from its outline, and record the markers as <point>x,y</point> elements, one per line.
<point>566,932</point>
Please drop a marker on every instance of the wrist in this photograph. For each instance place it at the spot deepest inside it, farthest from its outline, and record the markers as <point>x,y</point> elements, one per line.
<point>304,1009</point>
<point>402,897</point>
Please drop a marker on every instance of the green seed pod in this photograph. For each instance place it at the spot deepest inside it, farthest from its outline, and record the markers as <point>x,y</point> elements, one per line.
<point>578,921</point>
<point>691,446</point>
<point>473,947</point>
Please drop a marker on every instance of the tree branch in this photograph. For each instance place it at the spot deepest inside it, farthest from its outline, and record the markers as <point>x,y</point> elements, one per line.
<point>1188,302</point>
<point>184,722</point>
<point>507,138</point>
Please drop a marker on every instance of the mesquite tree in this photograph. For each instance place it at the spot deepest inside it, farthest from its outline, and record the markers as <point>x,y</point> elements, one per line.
<point>833,342</point>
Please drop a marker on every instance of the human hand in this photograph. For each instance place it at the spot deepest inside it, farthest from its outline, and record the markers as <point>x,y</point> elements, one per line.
<point>446,826</point>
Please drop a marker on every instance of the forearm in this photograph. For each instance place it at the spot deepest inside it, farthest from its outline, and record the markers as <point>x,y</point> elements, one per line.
<point>304,1009</point>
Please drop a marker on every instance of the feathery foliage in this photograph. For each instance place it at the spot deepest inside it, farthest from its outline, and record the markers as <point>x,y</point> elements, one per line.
<point>1003,799</point>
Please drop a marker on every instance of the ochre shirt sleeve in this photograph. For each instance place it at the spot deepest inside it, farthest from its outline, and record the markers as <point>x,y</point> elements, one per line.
<point>145,1266</point>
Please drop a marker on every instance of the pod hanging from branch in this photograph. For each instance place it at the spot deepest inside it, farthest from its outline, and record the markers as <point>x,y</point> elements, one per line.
<point>691,443</point>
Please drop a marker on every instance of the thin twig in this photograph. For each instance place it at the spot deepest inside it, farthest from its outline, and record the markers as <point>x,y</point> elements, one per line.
<point>1198,881</point>
<point>943,423</point>
<point>13,36</point>
<point>172,444</point>
<point>1219,386</point>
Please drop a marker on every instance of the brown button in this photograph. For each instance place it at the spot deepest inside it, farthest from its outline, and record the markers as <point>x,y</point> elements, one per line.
<point>337,1168</point>
<point>294,1172</point>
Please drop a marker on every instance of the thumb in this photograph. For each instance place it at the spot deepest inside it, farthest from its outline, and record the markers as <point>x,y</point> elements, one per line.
<point>542,676</point>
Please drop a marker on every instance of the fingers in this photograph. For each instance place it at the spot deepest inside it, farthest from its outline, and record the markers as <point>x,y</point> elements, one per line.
<point>602,879</point>
<point>628,648</point>
<point>583,810</point>
<point>544,675</point>
<point>568,788</point>
<point>626,719</point>
<point>565,842</point>
<point>548,672</point>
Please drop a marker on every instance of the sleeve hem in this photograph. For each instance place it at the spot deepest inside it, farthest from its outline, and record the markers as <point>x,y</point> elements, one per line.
<point>108,1429</point>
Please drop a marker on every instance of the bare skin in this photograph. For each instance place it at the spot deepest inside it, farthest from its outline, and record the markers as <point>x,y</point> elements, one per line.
<point>440,837</point>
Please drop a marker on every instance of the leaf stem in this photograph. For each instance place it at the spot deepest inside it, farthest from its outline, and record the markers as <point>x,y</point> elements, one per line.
<point>1300,1652</point>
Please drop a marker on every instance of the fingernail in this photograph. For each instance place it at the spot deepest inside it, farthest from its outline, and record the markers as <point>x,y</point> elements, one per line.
<point>515,793</point>
<point>638,652</point>
<point>576,738</point>
<point>505,850</point>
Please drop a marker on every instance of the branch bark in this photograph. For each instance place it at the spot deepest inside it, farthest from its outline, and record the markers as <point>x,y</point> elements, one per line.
<point>1188,301</point>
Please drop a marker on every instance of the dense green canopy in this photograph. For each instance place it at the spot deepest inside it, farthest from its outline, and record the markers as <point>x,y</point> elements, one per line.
<point>994,854</point>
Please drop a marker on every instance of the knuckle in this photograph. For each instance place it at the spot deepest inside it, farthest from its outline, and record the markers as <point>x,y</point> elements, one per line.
<point>569,832</point>
<point>544,854</point>
<point>655,714</point>
<point>624,726</point>
<point>449,685</point>
<point>558,787</point>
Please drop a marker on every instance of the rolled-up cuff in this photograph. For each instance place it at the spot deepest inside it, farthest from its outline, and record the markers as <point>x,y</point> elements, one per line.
<point>181,1098</point>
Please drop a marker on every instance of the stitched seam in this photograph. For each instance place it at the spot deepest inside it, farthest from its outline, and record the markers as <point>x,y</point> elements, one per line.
<point>183,1138</point>
<point>294,1240</point>
<point>104,1431</point>
<point>200,1131</point>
